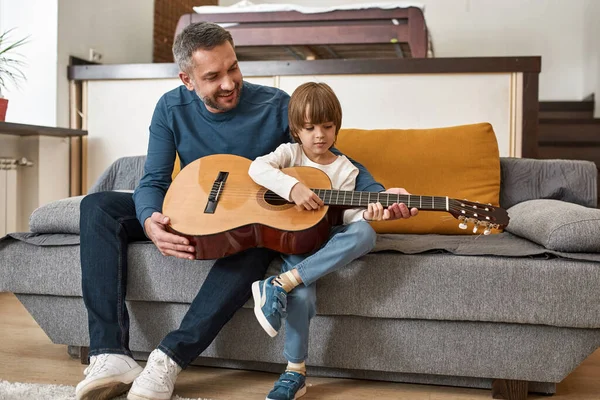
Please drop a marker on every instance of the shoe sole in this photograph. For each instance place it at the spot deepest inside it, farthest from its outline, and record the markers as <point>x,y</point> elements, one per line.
<point>262,320</point>
<point>133,396</point>
<point>109,389</point>
<point>301,392</point>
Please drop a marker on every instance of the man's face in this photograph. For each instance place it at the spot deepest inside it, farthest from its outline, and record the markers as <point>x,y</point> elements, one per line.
<point>215,77</point>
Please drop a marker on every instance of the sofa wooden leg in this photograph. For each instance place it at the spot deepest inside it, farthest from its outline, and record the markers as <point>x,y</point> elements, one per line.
<point>83,355</point>
<point>509,389</point>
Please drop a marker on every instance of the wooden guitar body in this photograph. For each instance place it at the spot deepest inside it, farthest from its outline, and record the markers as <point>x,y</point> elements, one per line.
<point>215,204</point>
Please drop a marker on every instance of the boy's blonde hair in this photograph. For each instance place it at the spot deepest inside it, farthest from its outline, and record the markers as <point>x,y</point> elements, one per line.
<point>315,103</point>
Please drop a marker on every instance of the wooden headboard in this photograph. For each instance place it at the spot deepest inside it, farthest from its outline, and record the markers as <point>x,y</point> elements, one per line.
<point>343,34</point>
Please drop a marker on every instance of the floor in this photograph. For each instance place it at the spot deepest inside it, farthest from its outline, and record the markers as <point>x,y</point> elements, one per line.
<point>28,356</point>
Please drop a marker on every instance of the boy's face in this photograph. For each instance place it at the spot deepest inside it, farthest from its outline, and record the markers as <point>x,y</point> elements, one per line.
<point>317,139</point>
<point>215,77</point>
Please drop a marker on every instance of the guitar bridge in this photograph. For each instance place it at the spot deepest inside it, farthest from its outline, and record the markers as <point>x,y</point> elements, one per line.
<point>215,192</point>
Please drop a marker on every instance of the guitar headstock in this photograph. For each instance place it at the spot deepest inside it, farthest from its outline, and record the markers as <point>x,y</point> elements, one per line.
<point>480,215</point>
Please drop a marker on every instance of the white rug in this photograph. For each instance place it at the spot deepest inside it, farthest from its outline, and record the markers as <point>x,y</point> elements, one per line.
<point>37,391</point>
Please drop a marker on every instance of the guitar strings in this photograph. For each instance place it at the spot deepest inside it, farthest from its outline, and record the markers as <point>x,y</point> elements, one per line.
<point>425,205</point>
<point>424,202</point>
<point>357,198</point>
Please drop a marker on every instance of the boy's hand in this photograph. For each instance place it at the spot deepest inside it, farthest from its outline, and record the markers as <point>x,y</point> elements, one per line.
<point>304,198</point>
<point>375,212</point>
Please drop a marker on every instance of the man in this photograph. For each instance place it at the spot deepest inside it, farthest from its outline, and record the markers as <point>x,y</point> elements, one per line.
<point>214,112</point>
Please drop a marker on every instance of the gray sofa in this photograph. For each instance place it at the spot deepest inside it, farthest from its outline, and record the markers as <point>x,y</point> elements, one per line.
<point>516,311</point>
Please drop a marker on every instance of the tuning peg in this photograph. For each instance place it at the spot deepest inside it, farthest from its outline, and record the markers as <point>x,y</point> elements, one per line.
<point>462,225</point>
<point>487,231</point>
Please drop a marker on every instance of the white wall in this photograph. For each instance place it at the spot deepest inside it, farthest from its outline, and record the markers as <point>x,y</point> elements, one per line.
<point>34,102</point>
<point>472,28</point>
<point>119,30</point>
<point>591,44</point>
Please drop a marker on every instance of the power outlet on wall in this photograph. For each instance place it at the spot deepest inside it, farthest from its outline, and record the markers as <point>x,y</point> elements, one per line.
<point>94,56</point>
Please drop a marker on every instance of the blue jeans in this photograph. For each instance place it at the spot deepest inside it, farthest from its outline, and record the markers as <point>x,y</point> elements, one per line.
<point>346,243</point>
<point>108,224</point>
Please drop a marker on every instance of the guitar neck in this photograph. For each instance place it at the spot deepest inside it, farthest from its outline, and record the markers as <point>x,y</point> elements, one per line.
<point>348,198</point>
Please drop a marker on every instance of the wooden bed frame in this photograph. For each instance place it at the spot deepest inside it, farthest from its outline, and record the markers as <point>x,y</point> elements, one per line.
<point>292,35</point>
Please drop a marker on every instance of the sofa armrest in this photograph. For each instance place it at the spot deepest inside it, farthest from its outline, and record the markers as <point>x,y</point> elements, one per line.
<point>61,216</point>
<point>557,225</point>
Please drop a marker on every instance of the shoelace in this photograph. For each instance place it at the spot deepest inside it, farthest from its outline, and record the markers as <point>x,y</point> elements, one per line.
<point>161,364</point>
<point>98,365</point>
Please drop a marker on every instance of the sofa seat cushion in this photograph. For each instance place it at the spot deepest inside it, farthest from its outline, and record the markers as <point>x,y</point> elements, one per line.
<point>557,225</point>
<point>436,285</point>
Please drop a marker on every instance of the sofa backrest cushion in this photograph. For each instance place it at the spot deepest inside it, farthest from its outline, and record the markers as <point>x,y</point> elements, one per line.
<point>523,179</point>
<point>460,162</point>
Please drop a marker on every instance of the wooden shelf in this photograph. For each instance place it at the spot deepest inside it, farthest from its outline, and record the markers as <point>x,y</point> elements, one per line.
<point>8,128</point>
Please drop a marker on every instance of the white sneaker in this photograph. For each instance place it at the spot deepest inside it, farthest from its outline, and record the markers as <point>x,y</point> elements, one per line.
<point>107,376</point>
<point>157,381</point>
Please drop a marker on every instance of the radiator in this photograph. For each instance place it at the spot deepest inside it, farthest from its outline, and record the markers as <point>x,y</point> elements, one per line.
<point>8,195</point>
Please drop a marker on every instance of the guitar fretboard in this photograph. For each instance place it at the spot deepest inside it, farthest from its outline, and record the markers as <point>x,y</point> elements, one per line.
<point>350,198</point>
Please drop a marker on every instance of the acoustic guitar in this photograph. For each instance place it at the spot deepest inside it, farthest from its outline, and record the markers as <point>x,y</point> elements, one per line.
<point>215,204</point>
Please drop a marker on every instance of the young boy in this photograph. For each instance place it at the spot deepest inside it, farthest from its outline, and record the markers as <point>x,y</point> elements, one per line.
<point>315,117</point>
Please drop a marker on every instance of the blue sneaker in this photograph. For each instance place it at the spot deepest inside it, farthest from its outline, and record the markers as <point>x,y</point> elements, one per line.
<point>290,386</point>
<point>269,305</point>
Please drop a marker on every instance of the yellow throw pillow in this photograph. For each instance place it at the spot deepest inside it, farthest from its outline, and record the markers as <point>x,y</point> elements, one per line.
<point>176,167</point>
<point>460,162</point>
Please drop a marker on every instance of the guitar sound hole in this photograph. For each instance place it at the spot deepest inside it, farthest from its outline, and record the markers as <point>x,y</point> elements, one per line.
<point>273,199</point>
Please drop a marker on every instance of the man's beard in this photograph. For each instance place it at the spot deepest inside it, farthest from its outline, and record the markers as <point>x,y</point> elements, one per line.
<point>211,101</point>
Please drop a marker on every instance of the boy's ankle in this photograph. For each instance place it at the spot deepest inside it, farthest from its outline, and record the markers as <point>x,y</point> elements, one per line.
<point>296,367</point>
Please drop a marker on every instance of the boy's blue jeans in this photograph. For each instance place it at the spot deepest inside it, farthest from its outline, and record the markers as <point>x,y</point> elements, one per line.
<point>108,224</point>
<point>346,243</point>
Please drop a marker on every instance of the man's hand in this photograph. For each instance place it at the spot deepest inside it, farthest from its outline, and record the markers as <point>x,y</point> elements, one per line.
<point>168,243</point>
<point>400,210</point>
<point>305,198</point>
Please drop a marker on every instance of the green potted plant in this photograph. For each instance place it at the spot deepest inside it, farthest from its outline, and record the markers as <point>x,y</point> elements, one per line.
<point>10,67</point>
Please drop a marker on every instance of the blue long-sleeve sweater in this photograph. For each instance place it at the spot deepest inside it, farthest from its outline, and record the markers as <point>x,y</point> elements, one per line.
<point>181,124</point>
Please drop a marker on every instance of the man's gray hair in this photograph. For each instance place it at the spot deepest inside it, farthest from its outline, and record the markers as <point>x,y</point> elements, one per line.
<point>200,35</point>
